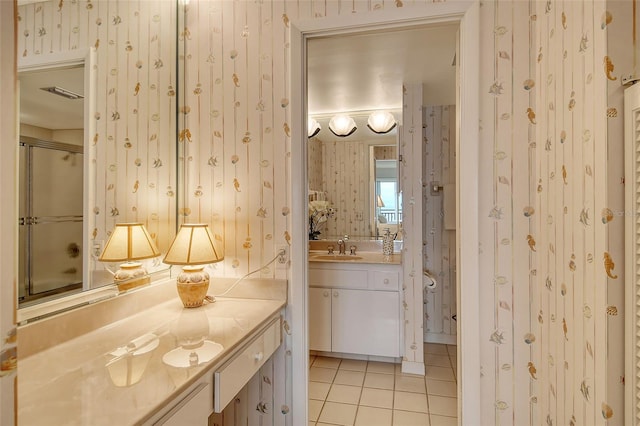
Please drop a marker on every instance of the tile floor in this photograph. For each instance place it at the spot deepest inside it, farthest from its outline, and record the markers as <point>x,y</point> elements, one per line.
<point>368,393</point>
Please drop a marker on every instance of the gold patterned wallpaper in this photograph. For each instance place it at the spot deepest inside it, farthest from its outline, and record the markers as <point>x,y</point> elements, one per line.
<point>133,148</point>
<point>545,242</point>
<point>438,243</point>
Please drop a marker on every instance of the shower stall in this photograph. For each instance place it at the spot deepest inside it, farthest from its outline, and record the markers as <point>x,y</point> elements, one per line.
<point>50,218</point>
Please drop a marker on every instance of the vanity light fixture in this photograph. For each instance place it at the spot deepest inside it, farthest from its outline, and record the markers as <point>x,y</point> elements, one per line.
<point>129,242</point>
<point>194,247</point>
<point>313,127</point>
<point>342,125</point>
<point>381,122</point>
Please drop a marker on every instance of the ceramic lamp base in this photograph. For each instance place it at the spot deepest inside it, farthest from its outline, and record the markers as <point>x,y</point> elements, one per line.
<point>131,275</point>
<point>193,284</point>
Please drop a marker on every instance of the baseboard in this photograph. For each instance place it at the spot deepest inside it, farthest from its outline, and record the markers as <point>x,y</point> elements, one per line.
<point>410,367</point>
<point>445,339</point>
<point>356,356</point>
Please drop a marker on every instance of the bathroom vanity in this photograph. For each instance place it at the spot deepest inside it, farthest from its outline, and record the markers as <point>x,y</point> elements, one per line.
<point>165,365</point>
<point>355,304</point>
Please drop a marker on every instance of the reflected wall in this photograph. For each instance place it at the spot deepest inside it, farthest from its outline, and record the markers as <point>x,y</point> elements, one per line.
<point>132,175</point>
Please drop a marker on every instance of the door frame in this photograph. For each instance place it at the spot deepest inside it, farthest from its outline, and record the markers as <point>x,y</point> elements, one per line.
<point>467,15</point>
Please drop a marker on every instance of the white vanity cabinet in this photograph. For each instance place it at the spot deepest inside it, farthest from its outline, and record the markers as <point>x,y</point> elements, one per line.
<point>355,308</point>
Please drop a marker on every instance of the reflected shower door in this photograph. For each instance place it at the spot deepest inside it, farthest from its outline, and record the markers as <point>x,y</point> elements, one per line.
<point>51,228</point>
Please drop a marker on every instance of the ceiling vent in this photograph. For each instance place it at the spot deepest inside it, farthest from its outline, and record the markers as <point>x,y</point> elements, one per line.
<point>62,92</point>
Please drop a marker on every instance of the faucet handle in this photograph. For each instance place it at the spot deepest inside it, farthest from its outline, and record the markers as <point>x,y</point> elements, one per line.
<point>346,237</point>
<point>352,249</point>
<point>330,248</point>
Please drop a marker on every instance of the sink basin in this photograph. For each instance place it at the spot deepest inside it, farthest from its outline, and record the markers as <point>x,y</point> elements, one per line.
<point>337,258</point>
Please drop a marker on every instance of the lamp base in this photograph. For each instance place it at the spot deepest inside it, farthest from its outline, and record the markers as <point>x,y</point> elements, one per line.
<point>193,284</point>
<point>131,275</point>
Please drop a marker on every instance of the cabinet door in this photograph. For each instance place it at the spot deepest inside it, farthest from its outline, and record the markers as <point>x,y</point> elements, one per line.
<point>320,319</point>
<point>366,322</point>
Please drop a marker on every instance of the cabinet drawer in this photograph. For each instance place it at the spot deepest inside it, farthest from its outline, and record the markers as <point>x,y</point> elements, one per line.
<point>338,278</point>
<point>234,374</point>
<point>194,409</point>
<point>383,280</point>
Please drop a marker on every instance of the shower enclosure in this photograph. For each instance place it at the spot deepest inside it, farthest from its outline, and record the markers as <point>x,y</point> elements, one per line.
<point>50,218</point>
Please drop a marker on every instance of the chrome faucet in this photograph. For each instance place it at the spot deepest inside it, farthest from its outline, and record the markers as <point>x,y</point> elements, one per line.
<point>341,248</point>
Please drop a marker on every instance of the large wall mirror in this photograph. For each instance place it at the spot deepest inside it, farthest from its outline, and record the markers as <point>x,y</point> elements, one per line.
<point>98,118</point>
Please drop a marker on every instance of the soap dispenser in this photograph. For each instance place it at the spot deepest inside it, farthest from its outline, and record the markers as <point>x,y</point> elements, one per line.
<point>387,243</point>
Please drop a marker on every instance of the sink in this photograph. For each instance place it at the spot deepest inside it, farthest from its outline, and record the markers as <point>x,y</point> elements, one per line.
<point>334,257</point>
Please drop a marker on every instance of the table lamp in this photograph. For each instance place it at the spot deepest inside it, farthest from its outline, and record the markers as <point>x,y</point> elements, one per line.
<point>129,242</point>
<point>193,247</point>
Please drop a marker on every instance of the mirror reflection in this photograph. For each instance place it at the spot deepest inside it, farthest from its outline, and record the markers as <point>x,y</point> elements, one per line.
<point>353,181</point>
<point>107,153</point>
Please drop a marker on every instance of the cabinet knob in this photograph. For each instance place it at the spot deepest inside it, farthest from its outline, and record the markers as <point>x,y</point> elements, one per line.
<point>258,356</point>
<point>386,280</point>
<point>326,293</point>
<point>335,294</point>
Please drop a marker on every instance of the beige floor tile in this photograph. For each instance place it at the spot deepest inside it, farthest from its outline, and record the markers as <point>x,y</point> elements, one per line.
<point>407,418</point>
<point>319,390</point>
<point>408,401</point>
<point>379,398</point>
<point>411,384</point>
<point>443,420</point>
<point>326,362</point>
<point>325,375</point>
<point>435,348</point>
<point>439,373</point>
<point>353,365</point>
<point>338,414</point>
<point>347,377</point>
<point>443,406</point>
<point>344,394</point>
<point>324,424</point>
<point>314,409</point>
<point>381,367</point>
<point>369,416</point>
<point>452,349</point>
<point>311,359</point>
<point>442,388</point>
<point>312,423</point>
<point>433,359</point>
<point>379,381</point>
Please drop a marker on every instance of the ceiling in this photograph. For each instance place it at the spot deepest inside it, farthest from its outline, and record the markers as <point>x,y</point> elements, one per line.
<point>47,110</point>
<point>363,72</point>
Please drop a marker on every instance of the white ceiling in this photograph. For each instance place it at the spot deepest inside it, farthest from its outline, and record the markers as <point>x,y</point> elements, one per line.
<point>364,72</point>
<point>47,110</point>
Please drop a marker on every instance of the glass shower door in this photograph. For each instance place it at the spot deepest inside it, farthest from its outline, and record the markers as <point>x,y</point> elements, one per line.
<point>51,220</point>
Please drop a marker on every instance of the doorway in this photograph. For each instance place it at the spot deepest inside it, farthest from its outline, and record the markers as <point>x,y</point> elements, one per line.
<point>467,15</point>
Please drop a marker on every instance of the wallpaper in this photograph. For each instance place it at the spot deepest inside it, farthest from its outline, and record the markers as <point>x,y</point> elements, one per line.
<point>550,253</point>
<point>314,155</point>
<point>345,179</point>
<point>133,149</point>
<point>439,244</point>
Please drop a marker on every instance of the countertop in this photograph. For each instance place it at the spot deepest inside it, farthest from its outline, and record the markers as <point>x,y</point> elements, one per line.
<point>70,383</point>
<point>359,257</point>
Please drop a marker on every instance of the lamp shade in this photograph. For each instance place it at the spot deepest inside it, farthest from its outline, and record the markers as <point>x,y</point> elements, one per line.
<point>381,122</point>
<point>194,245</point>
<point>342,125</point>
<point>313,127</point>
<point>379,201</point>
<point>129,241</point>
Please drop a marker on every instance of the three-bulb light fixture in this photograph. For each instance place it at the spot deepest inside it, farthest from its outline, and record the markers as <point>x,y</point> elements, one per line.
<point>343,125</point>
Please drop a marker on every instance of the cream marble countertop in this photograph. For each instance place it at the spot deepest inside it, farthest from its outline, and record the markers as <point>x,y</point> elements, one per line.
<point>359,257</point>
<point>70,383</point>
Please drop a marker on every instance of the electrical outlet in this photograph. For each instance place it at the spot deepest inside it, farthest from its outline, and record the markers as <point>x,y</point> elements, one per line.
<point>282,262</point>
<point>96,250</point>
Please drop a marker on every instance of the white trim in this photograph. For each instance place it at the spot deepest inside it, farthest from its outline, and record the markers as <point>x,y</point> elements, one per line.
<point>468,14</point>
<point>631,314</point>
<point>409,367</point>
<point>440,338</point>
<point>468,288</point>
